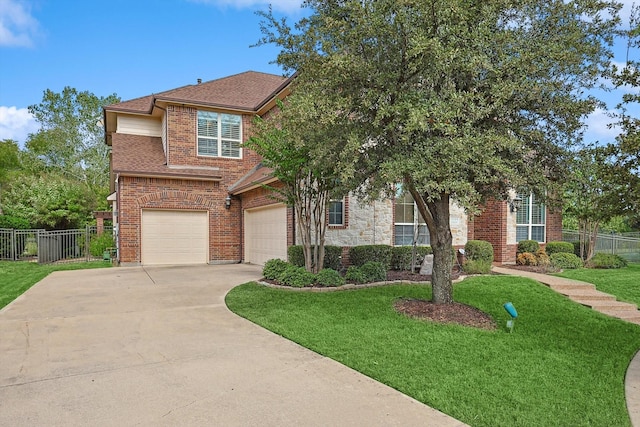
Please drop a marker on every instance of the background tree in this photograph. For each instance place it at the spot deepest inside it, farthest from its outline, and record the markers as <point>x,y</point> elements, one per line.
<point>458,100</point>
<point>71,137</point>
<point>9,162</point>
<point>291,143</point>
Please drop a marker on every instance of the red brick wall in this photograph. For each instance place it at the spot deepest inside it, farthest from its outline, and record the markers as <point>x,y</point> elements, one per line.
<point>554,225</point>
<point>491,225</point>
<point>136,194</point>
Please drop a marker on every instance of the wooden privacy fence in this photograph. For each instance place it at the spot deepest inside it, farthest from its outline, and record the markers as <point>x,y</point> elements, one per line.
<point>46,246</point>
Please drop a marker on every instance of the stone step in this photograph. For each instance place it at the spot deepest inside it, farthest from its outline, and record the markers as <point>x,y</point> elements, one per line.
<point>632,316</point>
<point>587,295</point>
<point>572,285</point>
<point>607,305</point>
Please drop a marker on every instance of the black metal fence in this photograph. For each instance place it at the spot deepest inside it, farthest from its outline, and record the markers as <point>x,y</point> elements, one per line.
<point>56,246</point>
<point>626,245</point>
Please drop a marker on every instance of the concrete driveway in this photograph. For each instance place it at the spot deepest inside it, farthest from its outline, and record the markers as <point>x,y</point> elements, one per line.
<point>157,346</point>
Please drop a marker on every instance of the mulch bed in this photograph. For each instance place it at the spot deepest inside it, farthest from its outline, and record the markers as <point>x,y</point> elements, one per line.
<point>455,313</point>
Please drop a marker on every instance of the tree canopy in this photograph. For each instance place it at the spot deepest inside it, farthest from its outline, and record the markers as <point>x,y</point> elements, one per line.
<point>458,100</point>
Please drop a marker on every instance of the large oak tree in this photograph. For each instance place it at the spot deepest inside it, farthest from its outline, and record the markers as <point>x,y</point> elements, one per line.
<point>457,100</point>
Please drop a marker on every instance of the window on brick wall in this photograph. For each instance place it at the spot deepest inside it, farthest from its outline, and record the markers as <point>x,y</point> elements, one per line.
<point>336,212</point>
<point>531,219</point>
<point>219,135</point>
<point>408,223</point>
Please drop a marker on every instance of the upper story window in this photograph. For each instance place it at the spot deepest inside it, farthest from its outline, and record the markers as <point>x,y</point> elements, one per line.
<point>336,212</point>
<point>219,135</point>
<point>409,225</point>
<point>531,219</point>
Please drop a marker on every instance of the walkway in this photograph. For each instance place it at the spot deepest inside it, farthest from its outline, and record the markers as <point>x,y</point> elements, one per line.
<point>586,294</point>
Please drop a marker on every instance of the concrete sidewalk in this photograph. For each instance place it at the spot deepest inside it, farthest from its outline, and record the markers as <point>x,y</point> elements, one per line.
<point>586,294</point>
<point>157,346</point>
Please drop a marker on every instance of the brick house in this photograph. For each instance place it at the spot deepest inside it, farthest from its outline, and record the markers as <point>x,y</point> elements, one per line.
<point>184,190</point>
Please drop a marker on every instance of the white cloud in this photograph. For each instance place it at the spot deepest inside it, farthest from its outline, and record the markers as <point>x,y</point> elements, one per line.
<point>598,128</point>
<point>16,124</point>
<point>17,26</point>
<point>287,6</point>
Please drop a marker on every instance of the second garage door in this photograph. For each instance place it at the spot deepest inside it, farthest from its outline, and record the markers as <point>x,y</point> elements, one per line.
<point>175,237</point>
<point>265,234</point>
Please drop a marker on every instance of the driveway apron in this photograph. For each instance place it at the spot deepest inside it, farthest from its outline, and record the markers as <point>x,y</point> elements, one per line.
<point>156,346</point>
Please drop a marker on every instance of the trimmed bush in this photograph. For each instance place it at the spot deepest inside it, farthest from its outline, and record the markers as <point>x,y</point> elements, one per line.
<point>359,255</point>
<point>601,260</point>
<point>374,271</point>
<point>565,260</point>
<point>297,277</point>
<point>542,258</point>
<point>273,268</point>
<point>332,256</point>
<point>401,256</point>
<point>329,277</point>
<point>559,247</point>
<point>526,258</point>
<point>8,221</point>
<point>530,246</point>
<point>355,275</point>
<point>472,266</point>
<point>479,250</point>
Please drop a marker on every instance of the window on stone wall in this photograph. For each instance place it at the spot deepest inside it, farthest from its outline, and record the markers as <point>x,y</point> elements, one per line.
<point>219,135</point>
<point>336,212</point>
<point>531,219</point>
<point>408,223</point>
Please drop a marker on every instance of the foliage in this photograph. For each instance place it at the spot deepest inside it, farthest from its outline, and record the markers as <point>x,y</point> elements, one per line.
<point>273,268</point>
<point>9,158</point>
<point>359,255</point>
<point>578,247</point>
<point>8,221</point>
<point>555,343</point>
<point>297,277</point>
<point>99,243</point>
<point>602,260</point>
<point>329,277</point>
<point>49,202</point>
<point>355,275</point>
<point>526,258</point>
<point>479,250</point>
<point>401,256</point>
<point>332,256</point>
<point>528,246</point>
<point>70,140</point>
<point>565,260</point>
<point>374,271</point>
<point>456,100</point>
<point>542,257</point>
<point>559,247</point>
<point>476,266</point>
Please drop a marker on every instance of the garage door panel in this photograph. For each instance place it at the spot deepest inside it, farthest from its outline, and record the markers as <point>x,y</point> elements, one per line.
<point>175,237</point>
<point>266,234</point>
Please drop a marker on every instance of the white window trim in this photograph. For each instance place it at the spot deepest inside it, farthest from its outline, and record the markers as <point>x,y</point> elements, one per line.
<point>529,224</point>
<point>219,137</point>
<point>416,224</point>
<point>331,224</point>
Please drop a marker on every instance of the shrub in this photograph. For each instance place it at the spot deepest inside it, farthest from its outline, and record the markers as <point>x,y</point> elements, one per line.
<point>576,248</point>
<point>600,260</point>
<point>542,258</point>
<point>332,256</point>
<point>355,275</point>
<point>530,246</point>
<point>99,243</point>
<point>472,266</point>
<point>565,260</point>
<point>559,247</point>
<point>8,221</point>
<point>479,250</point>
<point>526,258</point>
<point>374,271</point>
<point>297,277</point>
<point>359,255</point>
<point>273,268</point>
<point>329,277</point>
<point>401,256</point>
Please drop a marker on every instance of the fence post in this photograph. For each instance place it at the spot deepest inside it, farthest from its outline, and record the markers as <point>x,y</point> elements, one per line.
<point>87,252</point>
<point>13,246</point>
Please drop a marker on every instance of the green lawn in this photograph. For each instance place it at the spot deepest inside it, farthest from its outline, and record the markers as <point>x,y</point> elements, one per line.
<point>17,277</point>
<point>563,364</point>
<point>624,283</point>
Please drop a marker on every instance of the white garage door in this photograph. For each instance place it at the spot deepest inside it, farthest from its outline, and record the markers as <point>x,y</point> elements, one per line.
<point>175,237</point>
<point>265,234</point>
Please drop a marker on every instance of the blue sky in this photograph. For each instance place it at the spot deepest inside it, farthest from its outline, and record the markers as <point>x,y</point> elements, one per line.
<point>138,47</point>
